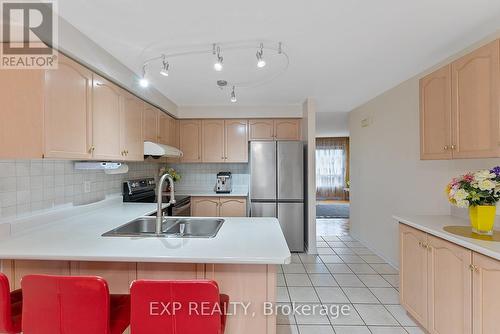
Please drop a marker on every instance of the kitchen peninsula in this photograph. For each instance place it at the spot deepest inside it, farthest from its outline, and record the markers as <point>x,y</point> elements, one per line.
<point>242,257</point>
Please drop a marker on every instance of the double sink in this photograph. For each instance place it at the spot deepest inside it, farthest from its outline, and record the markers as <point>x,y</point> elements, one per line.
<point>171,228</point>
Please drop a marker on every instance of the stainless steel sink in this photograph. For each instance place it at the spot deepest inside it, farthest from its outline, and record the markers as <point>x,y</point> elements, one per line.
<point>171,228</point>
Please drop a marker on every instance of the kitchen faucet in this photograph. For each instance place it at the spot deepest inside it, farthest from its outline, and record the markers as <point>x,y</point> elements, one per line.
<point>159,198</point>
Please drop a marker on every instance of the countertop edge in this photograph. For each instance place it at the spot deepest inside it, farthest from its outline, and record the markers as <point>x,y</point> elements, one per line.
<point>438,232</point>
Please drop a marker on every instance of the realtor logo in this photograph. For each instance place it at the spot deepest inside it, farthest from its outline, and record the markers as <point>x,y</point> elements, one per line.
<point>29,31</point>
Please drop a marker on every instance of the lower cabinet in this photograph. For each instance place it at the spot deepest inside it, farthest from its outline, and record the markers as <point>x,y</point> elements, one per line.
<point>219,206</point>
<point>447,288</point>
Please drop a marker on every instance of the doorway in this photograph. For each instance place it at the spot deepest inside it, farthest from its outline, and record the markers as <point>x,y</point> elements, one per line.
<point>332,185</point>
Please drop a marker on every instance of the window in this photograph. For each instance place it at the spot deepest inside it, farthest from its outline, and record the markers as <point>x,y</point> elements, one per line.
<point>331,167</point>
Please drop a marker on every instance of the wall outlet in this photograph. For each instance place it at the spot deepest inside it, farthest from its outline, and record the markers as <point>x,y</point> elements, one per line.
<point>86,186</point>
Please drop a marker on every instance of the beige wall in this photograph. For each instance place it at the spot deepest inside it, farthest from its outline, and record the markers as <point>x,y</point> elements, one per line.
<point>387,175</point>
<point>309,139</point>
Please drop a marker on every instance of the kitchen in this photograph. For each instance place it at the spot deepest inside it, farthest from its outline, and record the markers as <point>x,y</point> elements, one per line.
<point>173,161</point>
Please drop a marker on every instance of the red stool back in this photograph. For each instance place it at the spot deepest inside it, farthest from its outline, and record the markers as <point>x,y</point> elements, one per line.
<point>10,307</point>
<point>177,307</point>
<point>76,305</point>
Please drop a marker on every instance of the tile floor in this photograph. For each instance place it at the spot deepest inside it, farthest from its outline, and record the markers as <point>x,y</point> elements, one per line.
<point>344,273</point>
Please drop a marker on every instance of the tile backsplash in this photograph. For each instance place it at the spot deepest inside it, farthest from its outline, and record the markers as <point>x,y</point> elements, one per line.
<point>28,186</point>
<point>196,176</point>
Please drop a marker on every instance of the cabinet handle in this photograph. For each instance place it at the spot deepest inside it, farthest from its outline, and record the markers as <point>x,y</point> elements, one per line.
<point>473,268</point>
<point>91,149</point>
<point>446,147</point>
<point>452,147</point>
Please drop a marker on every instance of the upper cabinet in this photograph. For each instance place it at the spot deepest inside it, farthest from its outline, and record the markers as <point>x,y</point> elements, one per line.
<point>212,140</point>
<point>475,103</point>
<point>287,129</point>
<point>277,129</point>
<point>435,115</point>
<point>68,111</point>
<point>131,136</point>
<point>150,123</point>
<point>190,140</point>
<point>236,140</point>
<point>21,117</point>
<point>459,107</point>
<point>107,105</point>
<point>261,129</point>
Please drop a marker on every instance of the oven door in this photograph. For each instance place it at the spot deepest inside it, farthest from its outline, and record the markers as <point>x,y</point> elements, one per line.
<point>182,209</point>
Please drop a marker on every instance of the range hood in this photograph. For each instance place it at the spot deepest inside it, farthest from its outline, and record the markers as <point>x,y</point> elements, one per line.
<point>160,150</point>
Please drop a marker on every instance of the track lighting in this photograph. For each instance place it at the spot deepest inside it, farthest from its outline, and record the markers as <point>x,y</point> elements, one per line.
<point>164,67</point>
<point>260,60</point>
<point>218,59</point>
<point>143,81</point>
<point>233,96</point>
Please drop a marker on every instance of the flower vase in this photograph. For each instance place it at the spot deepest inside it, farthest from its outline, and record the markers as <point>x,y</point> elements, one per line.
<point>482,219</point>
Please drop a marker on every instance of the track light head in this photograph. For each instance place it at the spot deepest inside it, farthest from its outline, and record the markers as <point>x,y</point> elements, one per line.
<point>233,96</point>
<point>165,67</point>
<point>260,54</point>
<point>143,82</point>
<point>218,60</point>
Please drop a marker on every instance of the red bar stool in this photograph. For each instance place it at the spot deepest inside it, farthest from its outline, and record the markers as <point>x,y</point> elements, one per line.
<point>72,304</point>
<point>11,305</point>
<point>177,307</point>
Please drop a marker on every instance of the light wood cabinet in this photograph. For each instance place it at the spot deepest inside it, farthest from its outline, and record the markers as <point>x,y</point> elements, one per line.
<point>164,128</point>
<point>68,111</point>
<point>233,207</point>
<point>106,112</point>
<point>413,273</point>
<point>37,267</point>
<point>460,106</point>
<point>218,206</point>
<point>450,304</point>
<point>447,288</point>
<point>435,115</point>
<point>131,136</point>
<point>275,129</point>
<point>261,129</point>
<point>205,206</point>
<point>150,123</point>
<point>475,103</point>
<point>21,117</point>
<point>190,140</point>
<point>236,140</point>
<point>212,140</point>
<point>118,275</point>
<point>287,129</point>
<point>485,295</point>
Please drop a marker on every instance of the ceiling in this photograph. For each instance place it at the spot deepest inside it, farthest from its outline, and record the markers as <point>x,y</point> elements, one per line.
<point>342,53</point>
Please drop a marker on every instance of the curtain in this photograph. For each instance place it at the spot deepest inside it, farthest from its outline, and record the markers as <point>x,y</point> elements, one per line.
<point>332,167</point>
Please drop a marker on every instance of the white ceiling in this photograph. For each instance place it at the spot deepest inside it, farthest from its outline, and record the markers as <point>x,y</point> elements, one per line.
<point>342,52</point>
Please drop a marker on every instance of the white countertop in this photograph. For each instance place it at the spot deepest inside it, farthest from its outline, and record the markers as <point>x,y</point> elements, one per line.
<point>75,235</point>
<point>434,225</point>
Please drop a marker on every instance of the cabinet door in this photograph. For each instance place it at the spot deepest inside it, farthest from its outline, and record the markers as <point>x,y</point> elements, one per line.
<point>261,129</point>
<point>150,123</point>
<point>164,128</point>
<point>190,140</point>
<point>450,288</point>
<point>287,129</point>
<point>172,138</point>
<point>486,295</point>
<point>212,149</point>
<point>205,206</point>
<point>106,119</point>
<point>233,207</point>
<point>131,128</point>
<point>435,115</point>
<point>21,118</point>
<point>38,267</point>
<point>68,111</point>
<point>118,275</point>
<point>413,272</point>
<point>475,103</point>
<point>236,140</point>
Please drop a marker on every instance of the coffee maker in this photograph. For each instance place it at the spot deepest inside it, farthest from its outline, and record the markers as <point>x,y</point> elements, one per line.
<point>223,184</point>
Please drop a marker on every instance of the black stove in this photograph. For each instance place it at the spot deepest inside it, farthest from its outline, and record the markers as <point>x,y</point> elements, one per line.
<point>144,191</point>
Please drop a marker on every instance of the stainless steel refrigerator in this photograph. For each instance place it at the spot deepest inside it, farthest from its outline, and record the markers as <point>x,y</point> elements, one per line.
<point>277,186</point>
